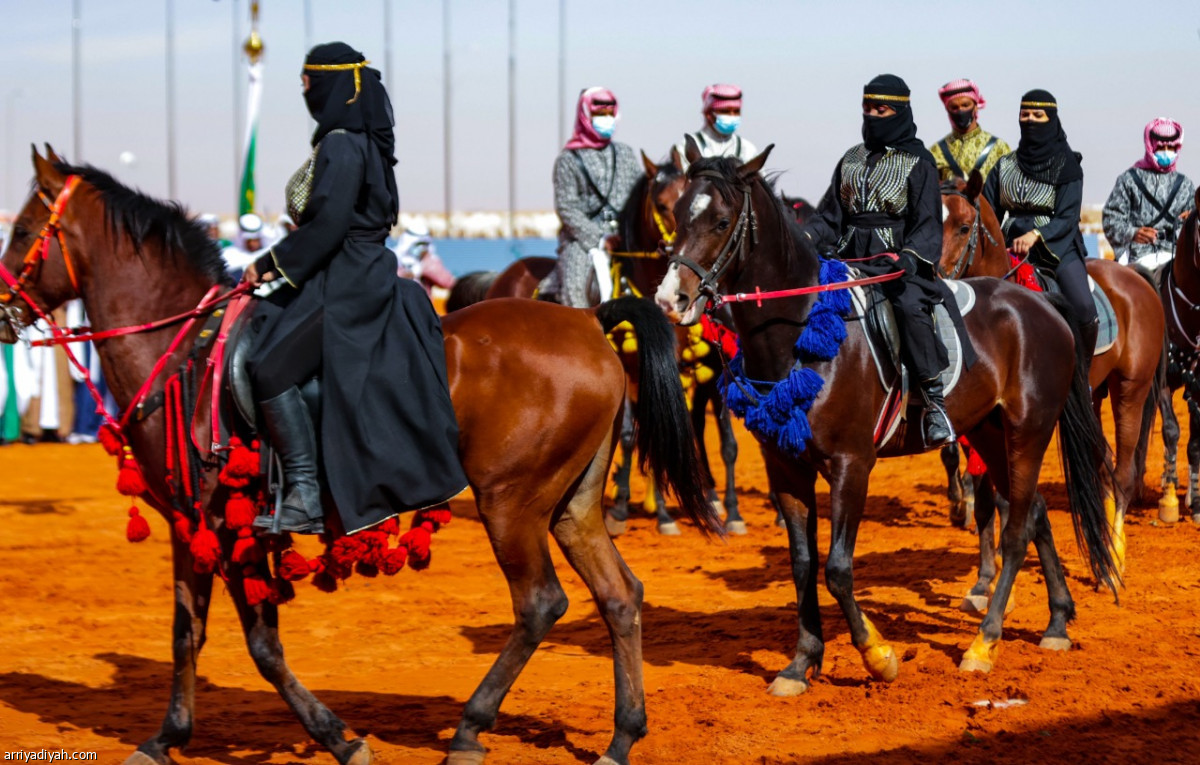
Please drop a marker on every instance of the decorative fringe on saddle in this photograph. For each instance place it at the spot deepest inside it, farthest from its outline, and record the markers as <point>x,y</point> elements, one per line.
<point>780,415</point>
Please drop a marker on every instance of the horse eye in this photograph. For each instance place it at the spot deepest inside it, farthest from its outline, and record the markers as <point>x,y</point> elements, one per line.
<point>19,231</point>
<point>723,224</point>
<point>964,229</point>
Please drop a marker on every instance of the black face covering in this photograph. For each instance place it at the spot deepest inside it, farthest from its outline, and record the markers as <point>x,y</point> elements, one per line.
<point>1043,153</point>
<point>334,104</point>
<point>898,130</point>
<point>962,120</point>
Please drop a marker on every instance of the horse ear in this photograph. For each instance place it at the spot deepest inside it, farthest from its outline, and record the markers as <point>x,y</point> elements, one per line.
<point>974,185</point>
<point>48,178</point>
<point>691,150</point>
<point>51,155</point>
<point>755,165</point>
<point>651,168</point>
<point>676,160</point>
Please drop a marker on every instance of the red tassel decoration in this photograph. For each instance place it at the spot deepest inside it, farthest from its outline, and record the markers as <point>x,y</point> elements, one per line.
<point>325,582</point>
<point>391,563</point>
<point>239,511</point>
<point>110,439</point>
<point>182,525</point>
<point>129,479</point>
<point>256,588</point>
<point>293,567</point>
<point>137,529</point>
<point>366,569</point>
<point>242,466</point>
<point>246,549</point>
<point>391,526</point>
<point>438,516</point>
<point>417,540</point>
<point>280,591</point>
<point>347,551</point>
<point>206,551</point>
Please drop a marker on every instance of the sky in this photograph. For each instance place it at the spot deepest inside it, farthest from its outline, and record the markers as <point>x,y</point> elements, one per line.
<point>1112,66</point>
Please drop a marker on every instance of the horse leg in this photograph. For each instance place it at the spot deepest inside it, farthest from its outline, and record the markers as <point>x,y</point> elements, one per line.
<point>193,594</point>
<point>1128,398</point>
<point>616,520</point>
<point>976,600</point>
<point>958,507</point>
<point>260,625</point>
<point>1062,607</point>
<point>1193,453</point>
<point>1168,504</point>
<point>848,494</point>
<point>798,505</point>
<point>618,596</point>
<point>734,523</point>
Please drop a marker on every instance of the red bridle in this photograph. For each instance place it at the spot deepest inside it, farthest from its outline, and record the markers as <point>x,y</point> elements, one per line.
<point>39,251</point>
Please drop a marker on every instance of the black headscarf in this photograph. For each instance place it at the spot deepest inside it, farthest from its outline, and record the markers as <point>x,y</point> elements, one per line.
<point>1043,152</point>
<point>333,103</point>
<point>897,131</point>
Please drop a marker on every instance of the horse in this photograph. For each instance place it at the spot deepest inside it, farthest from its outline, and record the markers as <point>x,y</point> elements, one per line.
<point>469,289</point>
<point>132,259</point>
<point>735,236</point>
<point>1127,373</point>
<point>1179,290</point>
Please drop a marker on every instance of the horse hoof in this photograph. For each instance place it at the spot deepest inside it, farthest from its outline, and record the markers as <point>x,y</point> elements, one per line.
<point>780,522</point>
<point>737,528</point>
<point>784,687</point>
<point>1168,508</point>
<point>606,760</point>
<point>361,754</point>
<point>140,758</point>
<point>1055,644</point>
<point>716,504</point>
<point>975,665</point>
<point>615,528</point>
<point>974,604</point>
<point>882,663</point>
<point>465,757</point>
<point>670,529</point>
<point>1196,519</point>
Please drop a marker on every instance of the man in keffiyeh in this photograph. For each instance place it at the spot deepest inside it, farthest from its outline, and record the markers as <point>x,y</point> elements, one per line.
<point>967,147</point>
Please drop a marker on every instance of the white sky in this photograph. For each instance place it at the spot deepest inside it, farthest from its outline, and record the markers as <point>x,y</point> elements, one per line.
<point>1112,65</point>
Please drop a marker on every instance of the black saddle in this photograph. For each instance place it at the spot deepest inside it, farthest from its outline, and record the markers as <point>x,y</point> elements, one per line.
<point>237,378</point>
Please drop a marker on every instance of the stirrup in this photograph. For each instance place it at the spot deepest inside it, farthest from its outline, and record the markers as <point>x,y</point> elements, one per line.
<point>289,519</point>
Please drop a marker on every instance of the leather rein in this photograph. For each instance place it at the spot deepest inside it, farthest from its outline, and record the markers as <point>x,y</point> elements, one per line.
<point>966,258</point>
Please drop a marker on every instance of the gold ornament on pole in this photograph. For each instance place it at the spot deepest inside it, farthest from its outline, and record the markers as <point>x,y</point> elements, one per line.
<point>254,43</point>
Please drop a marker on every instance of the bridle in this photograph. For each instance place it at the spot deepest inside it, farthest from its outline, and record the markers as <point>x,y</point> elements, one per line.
<point>741,240</point>
<point>39,251</point>
<point>966,258</point>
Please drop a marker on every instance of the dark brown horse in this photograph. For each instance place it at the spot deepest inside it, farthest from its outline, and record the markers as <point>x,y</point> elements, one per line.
<point>134,260</point>
<point>734,236</point>
<point>973,245</point>
<point>1180,294</point>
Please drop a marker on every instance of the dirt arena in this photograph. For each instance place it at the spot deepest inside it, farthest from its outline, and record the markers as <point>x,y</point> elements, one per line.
<point>84,642</point>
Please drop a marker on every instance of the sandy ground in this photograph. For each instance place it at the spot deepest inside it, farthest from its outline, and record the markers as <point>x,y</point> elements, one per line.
<point>84,654</point>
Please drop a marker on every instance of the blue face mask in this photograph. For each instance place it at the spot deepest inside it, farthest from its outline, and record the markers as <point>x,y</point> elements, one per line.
<point>1164,158</point>
<point>726,124</point>
<point>604,125</point>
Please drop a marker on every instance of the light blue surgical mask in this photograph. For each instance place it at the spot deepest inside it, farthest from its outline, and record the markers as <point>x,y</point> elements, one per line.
<point>1164,158</point>
<point>726,124</point>
<point>604,125</point>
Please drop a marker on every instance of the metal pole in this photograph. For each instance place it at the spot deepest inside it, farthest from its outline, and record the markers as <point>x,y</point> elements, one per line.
<point>308,27</point>
<point>9,117</point>
<point>562,72</point>
<point>387,44</point>
<point>512,118</point>
<point>171,99</point>
<point>76,84</point>
<point>447,164</point>
<point>237,96</point>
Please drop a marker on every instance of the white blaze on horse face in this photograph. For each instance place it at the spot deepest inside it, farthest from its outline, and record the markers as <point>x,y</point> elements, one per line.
<point>699,205</point>
<point>667,290</point>
<point>945,213</point>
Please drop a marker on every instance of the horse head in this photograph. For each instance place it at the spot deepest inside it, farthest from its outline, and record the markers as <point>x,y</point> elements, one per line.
<point>715,226</point>
<point>664,185</point>
<point>969,228</point>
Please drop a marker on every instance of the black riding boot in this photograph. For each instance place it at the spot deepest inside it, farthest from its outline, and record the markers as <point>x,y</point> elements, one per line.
<point>1090,332</point>
<point>937,429</point>
<point>291,430</point>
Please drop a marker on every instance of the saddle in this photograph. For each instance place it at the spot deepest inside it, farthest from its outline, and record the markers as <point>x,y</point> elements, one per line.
<point>1107,336</point>
<point>883,338</point>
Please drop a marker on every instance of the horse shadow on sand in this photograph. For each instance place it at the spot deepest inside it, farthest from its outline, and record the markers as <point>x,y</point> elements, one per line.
<point>239,726</point>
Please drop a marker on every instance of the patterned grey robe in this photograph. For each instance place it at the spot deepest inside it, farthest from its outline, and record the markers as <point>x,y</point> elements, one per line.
<point>1128,209</point>
<point>586,215</point>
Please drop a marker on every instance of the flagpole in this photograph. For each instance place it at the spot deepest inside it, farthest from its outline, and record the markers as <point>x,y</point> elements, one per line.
<point>447,173</point>
<point>562,72</point>
<point>387,44</point>
<point>254,51</point>
<point>237,96</point>
<point>76,83</point>
<point>171,99</point>
<point>512,118</point>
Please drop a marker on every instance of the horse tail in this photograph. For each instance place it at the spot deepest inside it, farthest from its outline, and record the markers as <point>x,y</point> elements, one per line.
<point>663,426</point>
<point>469,289</point>
<point>1150,408</point>
<point>1085,454</point>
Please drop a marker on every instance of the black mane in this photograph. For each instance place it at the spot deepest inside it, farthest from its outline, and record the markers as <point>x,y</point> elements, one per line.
<point>144,218</point>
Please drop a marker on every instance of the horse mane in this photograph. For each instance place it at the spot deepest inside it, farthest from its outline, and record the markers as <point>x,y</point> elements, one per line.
<point>730,183</point>
<point>143,218</point>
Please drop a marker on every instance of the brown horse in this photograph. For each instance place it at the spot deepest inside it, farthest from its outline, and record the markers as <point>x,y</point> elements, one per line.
<point>132,259</point>
<point>734,235</point>
<point>973,245</point>
<point>1179,289</point>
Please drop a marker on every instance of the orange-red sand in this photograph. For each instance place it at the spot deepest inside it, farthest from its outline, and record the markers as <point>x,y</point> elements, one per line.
<point>85,659</point>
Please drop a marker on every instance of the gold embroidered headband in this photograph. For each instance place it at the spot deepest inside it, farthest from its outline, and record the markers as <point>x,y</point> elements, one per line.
<point>342,68</point>
<point>881,97</point>
<point>1038,105</point>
